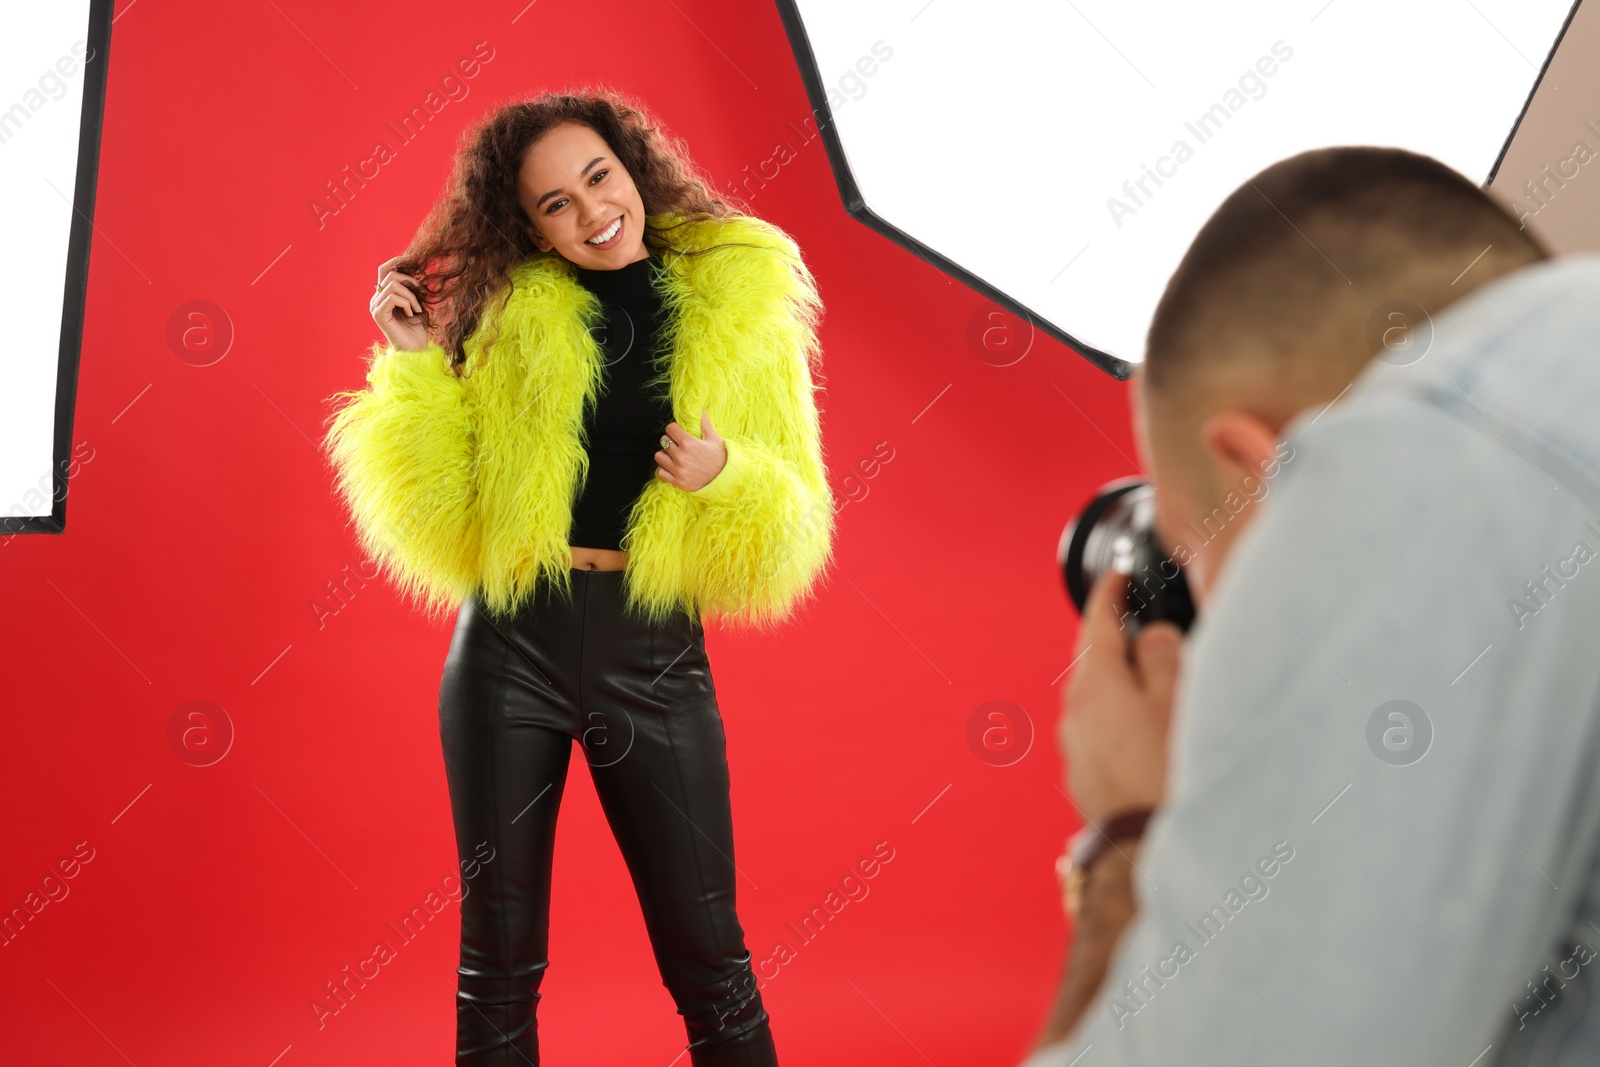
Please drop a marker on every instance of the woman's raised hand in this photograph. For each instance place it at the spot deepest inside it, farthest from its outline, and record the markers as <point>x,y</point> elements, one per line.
<point>397,310</point>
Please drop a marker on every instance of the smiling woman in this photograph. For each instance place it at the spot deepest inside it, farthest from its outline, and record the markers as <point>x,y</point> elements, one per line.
<point>521,464</point>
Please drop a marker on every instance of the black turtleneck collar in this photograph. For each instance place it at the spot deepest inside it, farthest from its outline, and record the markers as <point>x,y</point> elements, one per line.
<point>629,284</point>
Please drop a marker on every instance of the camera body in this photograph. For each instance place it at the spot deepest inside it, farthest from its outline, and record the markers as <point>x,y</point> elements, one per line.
<point>1115,531</point>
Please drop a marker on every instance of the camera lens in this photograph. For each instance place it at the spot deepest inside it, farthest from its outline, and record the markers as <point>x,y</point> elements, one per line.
<point>1116,532</point>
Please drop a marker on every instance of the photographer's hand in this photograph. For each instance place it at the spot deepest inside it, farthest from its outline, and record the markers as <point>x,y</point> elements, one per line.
<point>1116,714</point>
<point>1117,708</point>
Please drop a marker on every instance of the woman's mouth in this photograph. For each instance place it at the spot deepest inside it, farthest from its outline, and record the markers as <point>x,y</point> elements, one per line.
<point>608,237</point>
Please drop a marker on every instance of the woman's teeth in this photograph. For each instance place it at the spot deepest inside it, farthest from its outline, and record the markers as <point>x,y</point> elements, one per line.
<point>608,234</point>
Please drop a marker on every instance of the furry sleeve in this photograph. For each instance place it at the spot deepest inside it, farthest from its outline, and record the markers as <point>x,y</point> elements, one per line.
<point>766,521</point>
<point>404,454</point>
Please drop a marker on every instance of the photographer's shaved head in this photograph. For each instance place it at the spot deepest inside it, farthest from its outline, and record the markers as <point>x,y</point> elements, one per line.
<point>1272,311</point>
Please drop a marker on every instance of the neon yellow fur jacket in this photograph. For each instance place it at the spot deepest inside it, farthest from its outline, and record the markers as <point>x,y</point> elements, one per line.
<point>462,486</point>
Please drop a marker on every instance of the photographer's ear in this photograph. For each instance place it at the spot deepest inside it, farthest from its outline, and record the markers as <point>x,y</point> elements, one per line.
<point>1238,445</point>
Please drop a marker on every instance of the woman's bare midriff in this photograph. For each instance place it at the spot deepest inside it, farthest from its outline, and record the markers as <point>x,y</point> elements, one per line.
<point>599,559</point>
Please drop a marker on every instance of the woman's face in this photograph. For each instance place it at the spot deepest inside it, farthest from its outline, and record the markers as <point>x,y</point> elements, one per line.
<point>572,188</point>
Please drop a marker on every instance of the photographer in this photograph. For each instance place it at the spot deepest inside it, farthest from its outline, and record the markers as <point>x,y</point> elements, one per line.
<point>1353,819</point>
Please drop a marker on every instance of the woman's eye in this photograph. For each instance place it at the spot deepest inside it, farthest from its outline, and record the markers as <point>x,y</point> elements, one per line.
<point>596,177</point>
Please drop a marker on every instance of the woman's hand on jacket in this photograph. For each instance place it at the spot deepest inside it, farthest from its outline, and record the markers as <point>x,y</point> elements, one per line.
<point>692,462</point>
<point>397,310</point>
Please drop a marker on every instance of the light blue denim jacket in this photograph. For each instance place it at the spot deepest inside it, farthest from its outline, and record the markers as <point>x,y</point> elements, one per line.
<point>1379,845</point>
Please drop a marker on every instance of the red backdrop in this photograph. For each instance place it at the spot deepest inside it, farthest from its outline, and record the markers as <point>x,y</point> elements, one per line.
<point>210,906</point>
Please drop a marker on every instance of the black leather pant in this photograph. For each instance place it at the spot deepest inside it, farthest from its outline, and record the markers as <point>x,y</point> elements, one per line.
<point>515,694</point>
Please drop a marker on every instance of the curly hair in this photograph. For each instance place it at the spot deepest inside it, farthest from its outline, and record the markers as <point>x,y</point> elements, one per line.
<point>463,253</point>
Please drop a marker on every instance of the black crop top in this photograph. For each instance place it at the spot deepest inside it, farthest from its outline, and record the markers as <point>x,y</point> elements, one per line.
<point>624,427</point>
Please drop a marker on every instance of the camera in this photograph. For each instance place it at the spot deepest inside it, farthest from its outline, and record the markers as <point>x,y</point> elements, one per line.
<point>1115,531</point>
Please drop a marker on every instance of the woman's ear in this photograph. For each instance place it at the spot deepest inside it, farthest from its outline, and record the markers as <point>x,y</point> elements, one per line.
<point>533,235</point>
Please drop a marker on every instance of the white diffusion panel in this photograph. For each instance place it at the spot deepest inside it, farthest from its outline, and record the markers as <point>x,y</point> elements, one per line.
<point>42,57</point>
<point>1066,153</point>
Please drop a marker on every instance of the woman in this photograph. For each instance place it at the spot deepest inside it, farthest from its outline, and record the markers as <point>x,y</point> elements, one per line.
<point>523,464</point>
